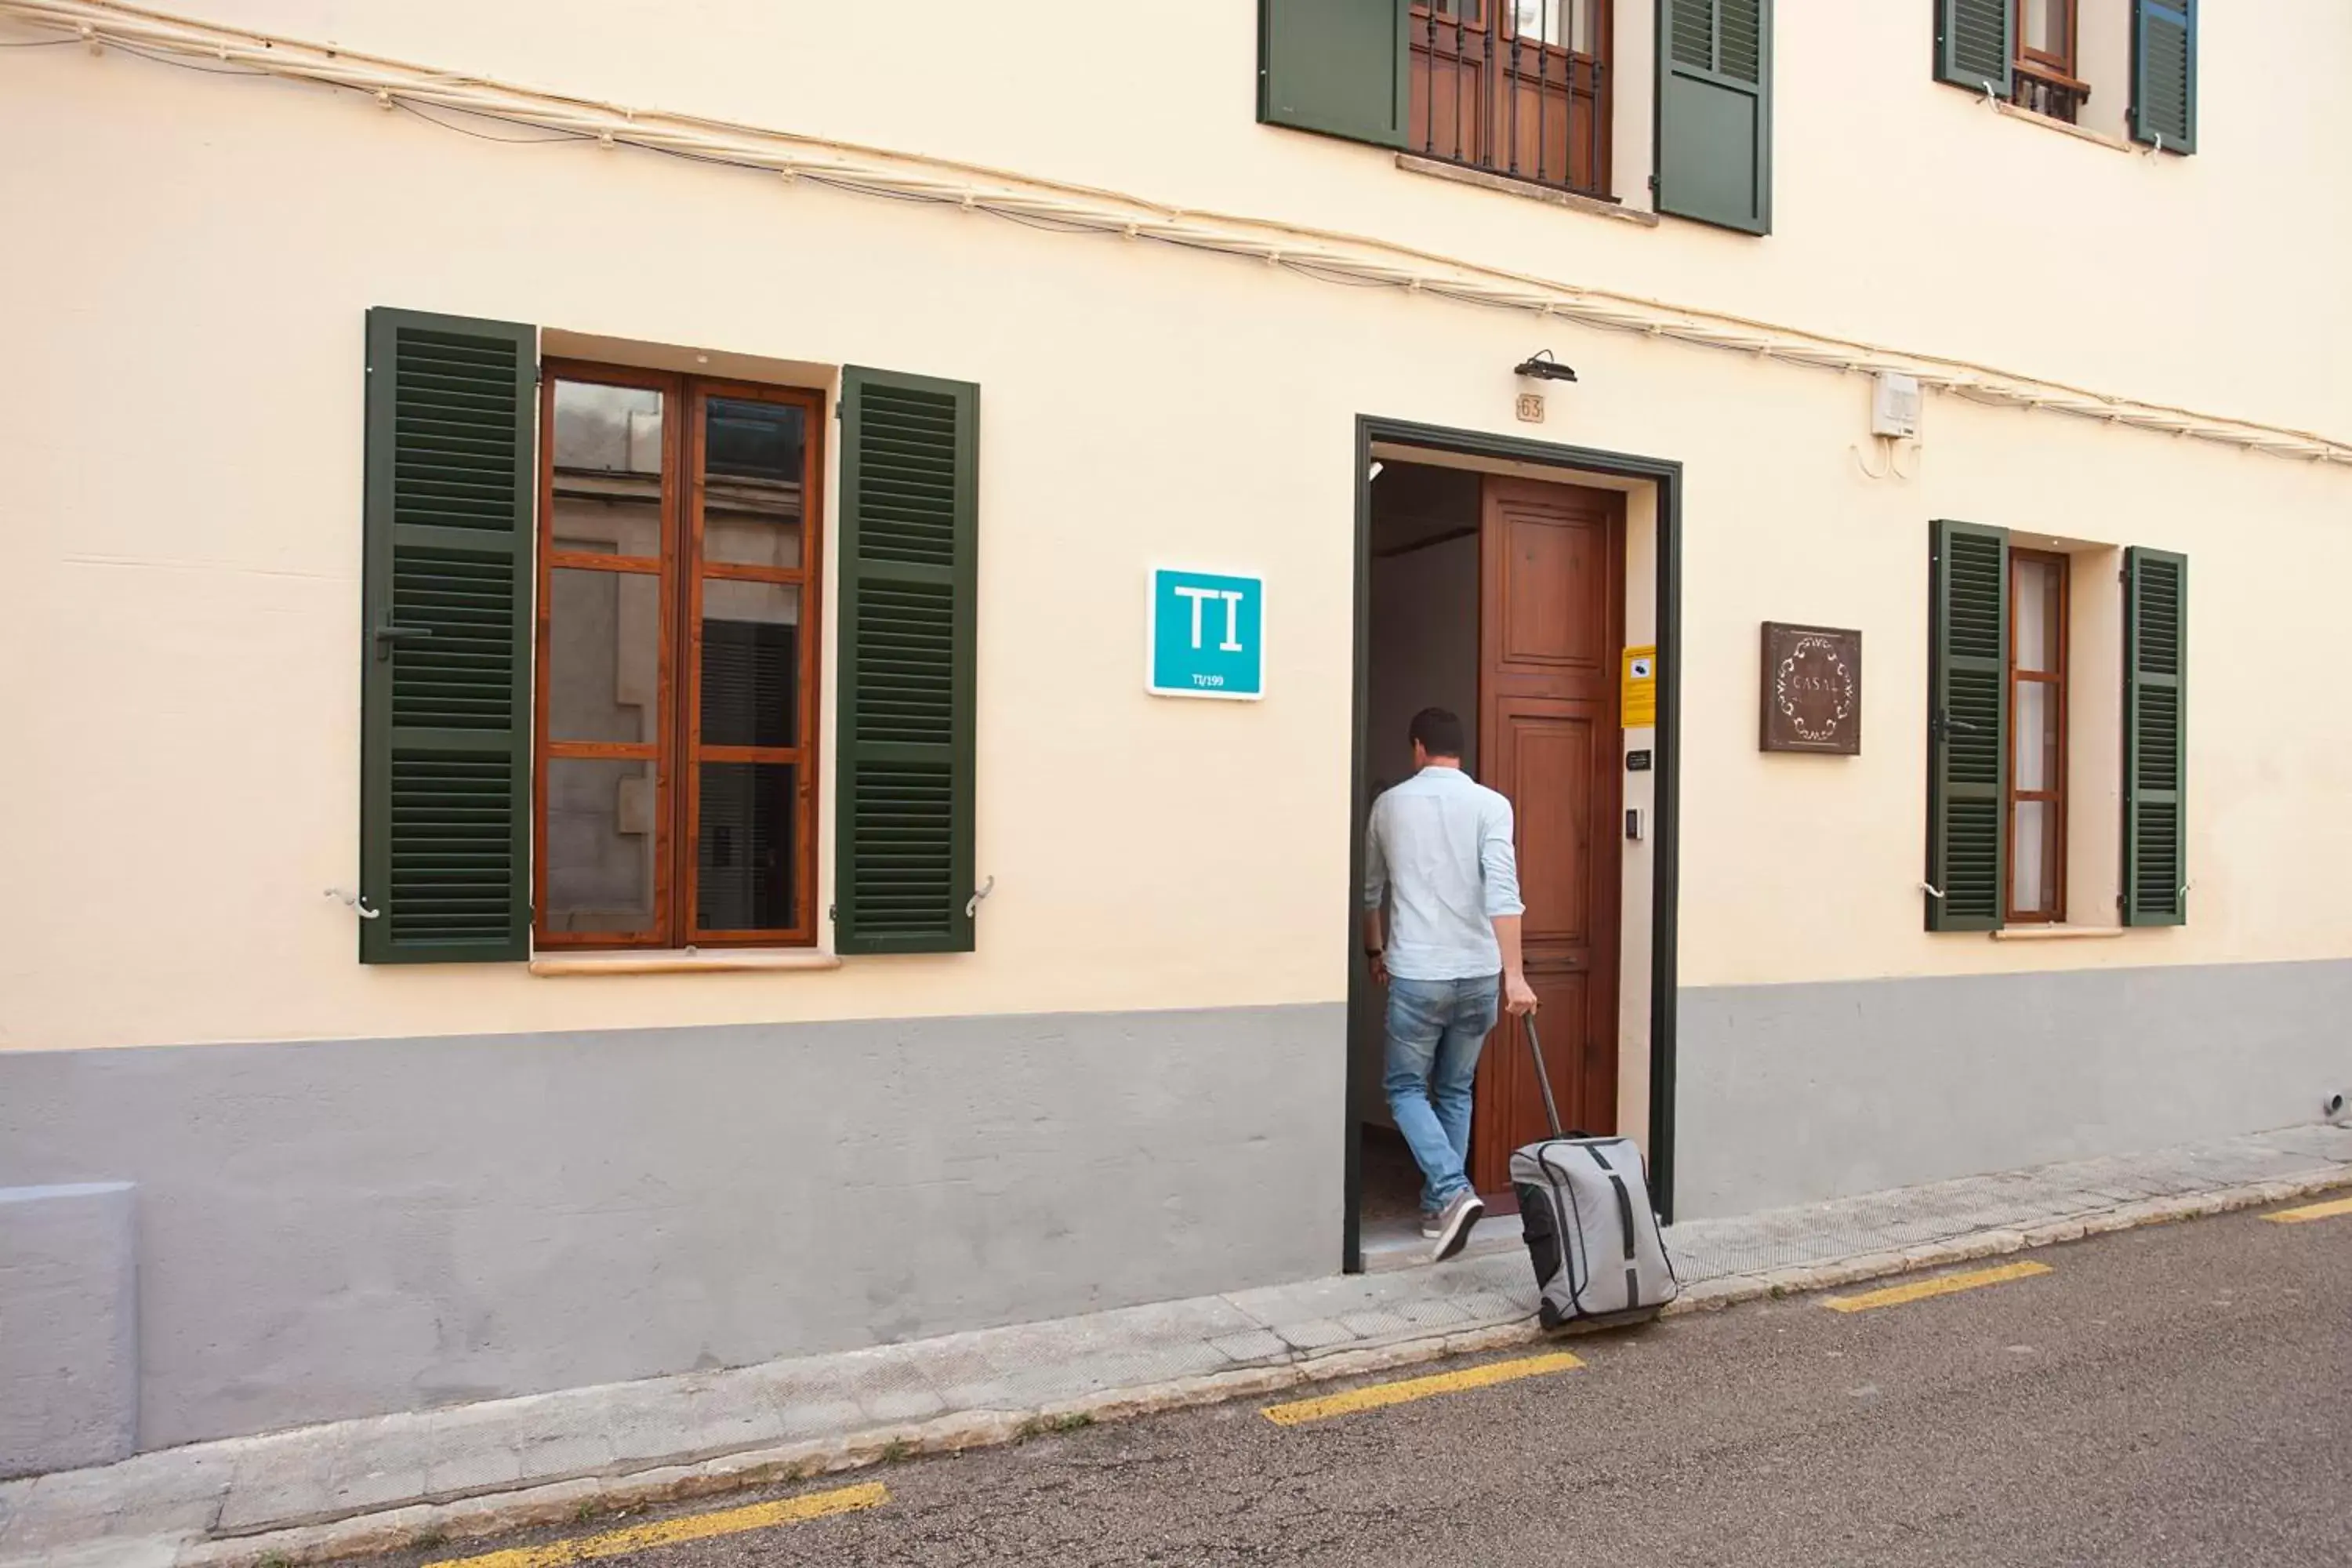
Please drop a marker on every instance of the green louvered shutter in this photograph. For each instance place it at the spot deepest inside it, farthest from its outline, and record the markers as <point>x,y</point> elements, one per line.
<point>1968,727</point>
<point>1714,112</point>
<point>1340,66</point>
<point>2156,824</point>
<point>2164,74</point>
<point>445,774</point>
<point>1974,43</point>
<point>903,753</point>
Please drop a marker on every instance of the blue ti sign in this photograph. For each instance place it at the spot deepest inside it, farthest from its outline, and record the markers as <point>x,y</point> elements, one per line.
<point>1208,635</point>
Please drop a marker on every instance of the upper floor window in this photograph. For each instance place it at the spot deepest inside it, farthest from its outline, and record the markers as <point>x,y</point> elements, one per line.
<point>1523,89</point>
<point>2120,68</point>
<point>2047,81</point>
<point>1518,87</point>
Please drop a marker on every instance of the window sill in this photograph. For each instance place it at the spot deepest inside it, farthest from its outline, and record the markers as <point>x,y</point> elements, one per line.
<point>706,961</point>
<point>2056,933</point>
<point>1524,188</point>
<point>2052,122</point>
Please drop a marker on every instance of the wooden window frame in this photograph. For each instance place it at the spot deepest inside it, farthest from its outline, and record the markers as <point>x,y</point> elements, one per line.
<point>678,752</point>
<point>2057,73</point>
<point>2055,797</point>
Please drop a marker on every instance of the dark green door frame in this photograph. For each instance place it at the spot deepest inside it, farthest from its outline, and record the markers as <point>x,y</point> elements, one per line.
<point>1665,815</point>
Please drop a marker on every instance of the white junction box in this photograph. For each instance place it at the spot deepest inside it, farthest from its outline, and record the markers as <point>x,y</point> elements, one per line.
<point>1894,404</point>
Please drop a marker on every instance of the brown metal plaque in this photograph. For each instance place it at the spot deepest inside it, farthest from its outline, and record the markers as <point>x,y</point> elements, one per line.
<point>1812,690</point>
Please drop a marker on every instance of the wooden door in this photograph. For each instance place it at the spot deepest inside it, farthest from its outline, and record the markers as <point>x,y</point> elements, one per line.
<point>1550,627</point>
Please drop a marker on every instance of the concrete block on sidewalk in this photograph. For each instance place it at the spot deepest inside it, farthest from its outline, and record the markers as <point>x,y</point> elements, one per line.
<point>1253,1346</point>
<point>1314,1335</point>
<point>69,1357</point>
<point>288,1478</point>
<point>168,1494</point>
<point>884,1406</point>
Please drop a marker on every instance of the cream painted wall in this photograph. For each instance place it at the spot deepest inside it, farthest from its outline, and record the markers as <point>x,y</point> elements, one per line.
<point>1906,212</point>
<point>181,485</point>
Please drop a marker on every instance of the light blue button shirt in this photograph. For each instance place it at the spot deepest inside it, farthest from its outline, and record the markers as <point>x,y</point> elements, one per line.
<point>1439,846</point>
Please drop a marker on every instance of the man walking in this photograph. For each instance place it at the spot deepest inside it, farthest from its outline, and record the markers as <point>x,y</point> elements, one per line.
<point>1439,848</point>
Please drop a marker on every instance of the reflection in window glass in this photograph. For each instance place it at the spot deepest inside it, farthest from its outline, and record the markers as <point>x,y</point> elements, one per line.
<point>604,656</point>
<point>744,848</point>
<point>754,460</point>
<point>2044,30</point>
<point>2032,856</point>
<point>607,457</point>
<point>600,845</point>
<point>1560,23</point>
<point>2036,727</point>
<point>750,663</point>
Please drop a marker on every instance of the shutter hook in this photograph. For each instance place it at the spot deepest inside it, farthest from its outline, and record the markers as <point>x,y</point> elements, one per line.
<point>1992,99</point>
<point>971,905</point>
<point>1932,890</point>
<point>357,902</point>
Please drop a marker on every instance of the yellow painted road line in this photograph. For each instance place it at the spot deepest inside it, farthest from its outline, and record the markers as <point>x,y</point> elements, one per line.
<point>2311,1211</point>
<point>1941,1285</point>
<point>670,1532</point>
<point>1411,1388</point>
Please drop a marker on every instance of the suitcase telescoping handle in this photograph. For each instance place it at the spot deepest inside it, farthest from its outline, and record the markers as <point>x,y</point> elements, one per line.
<point>1543,1078</point>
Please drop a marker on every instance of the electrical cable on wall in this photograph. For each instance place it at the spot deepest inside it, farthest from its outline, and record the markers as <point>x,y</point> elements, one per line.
<point>1348,260</point>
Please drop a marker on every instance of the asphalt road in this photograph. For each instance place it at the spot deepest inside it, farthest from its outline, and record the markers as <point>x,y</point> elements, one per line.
<point>2180,1395</point>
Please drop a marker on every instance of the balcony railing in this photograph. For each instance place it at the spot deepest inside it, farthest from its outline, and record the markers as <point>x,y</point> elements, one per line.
<point>2045,90</point>
<point>1515,88</point>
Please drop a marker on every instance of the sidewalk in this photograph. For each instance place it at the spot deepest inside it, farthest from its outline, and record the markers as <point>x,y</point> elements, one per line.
<point>392,1481</point>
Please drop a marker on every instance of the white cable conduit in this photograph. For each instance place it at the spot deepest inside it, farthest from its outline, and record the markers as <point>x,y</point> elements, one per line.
<point>1356,258</point>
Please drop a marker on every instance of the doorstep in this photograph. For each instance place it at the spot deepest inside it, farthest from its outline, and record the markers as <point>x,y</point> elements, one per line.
<point>1390,1245</point>
<point>390,1482</point>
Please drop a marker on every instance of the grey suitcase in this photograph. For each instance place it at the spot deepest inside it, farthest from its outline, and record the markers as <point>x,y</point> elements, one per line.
<point>1584,1209</point>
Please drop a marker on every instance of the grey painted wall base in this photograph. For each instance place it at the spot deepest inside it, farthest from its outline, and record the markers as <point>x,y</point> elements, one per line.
<point>333,1229</point>
<point>1790,1094</point>
<point>68,1341</point>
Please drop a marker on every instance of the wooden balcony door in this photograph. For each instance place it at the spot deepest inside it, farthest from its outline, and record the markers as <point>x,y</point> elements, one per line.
<point>1515,86</point>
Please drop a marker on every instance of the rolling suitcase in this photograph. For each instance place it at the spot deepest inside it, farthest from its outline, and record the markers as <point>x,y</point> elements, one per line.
<point>1584,1208</point>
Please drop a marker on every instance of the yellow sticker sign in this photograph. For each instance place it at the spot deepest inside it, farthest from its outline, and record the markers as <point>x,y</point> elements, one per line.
<point>1638,706</point>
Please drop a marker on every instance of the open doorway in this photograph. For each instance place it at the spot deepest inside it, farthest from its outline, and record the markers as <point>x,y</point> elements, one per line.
<point>1501,596</point>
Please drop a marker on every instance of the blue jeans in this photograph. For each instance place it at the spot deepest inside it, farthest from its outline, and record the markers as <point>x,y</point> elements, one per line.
<point>1435,1030</point>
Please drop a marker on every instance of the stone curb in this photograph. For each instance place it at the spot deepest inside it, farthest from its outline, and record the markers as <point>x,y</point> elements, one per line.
<point>582,1500</point>
<point>573,1501</point>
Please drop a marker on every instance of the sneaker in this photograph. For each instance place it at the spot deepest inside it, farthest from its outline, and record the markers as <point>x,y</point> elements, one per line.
<point>1453,1225</point>
<point>1433,1225</point>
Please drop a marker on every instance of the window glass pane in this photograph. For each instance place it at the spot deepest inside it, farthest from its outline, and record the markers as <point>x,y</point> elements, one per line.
<point>2034,729</point>
<point>604,656</point>
<point>2035,609</point>
<point>753,468</point>
<point>750,663</point>
<point>1560,23</point>
<point>2032,858</point>
<point>607,453</point>
<point>2044,30</point>
<point>600,845</point>
<point>744,846</point>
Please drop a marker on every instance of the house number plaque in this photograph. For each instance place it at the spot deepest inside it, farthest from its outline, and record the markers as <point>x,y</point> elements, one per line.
<point>1812,690</point>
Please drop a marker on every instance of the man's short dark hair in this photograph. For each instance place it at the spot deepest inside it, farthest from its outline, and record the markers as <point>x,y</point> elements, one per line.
<point>1438,732</point>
